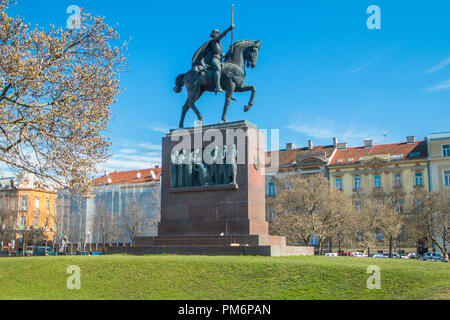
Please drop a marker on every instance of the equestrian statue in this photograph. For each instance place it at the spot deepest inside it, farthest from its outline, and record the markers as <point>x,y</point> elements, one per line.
<point>213,72</point>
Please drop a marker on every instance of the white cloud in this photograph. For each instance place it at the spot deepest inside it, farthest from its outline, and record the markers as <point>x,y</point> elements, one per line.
<point>325,129</point>
<point>439,87</point>
<point>159,128</point>
<point>149,146</point>
<point>134,155</point>
<point>364,66</point>
<point>440,66</point>
<point>359,68</point>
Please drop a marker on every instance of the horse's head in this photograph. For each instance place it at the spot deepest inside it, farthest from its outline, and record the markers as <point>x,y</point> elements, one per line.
<point>251,54</point>
<point>244,52</point>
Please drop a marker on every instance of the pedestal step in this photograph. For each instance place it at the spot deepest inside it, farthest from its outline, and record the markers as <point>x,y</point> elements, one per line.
<point>267,251</point>
<point>244,240</point>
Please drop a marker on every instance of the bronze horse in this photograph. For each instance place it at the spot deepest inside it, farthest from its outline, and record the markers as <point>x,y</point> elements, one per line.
<point>232,79</point>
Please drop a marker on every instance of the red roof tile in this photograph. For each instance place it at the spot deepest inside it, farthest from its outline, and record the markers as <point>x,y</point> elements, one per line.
<point>130,177</point>
<point>397,151</point>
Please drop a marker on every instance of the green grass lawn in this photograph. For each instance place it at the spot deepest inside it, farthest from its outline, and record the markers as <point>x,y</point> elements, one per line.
<point>234,278</point>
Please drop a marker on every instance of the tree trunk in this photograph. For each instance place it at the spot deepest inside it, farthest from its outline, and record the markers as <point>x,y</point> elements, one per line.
<point>390,247</point>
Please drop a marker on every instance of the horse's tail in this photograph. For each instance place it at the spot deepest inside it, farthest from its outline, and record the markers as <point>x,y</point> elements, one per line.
<point>179,83</point>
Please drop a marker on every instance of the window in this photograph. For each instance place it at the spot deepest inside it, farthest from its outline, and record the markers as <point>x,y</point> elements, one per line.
<point>357,183</point>
<point>314,241</point>
<point>37,203</point>
<point>419,179</point>
<point>419,205</point>
<point>398,180</point>
<point>23,223</point>
<point>48,204</point>
<point>380,236</point>
<point>377,182</point>
<point>446,150</point>
<point>447,178</point>
<point>272,190</point>
<point>24,204</point>
<point>399,206</point>
<point>36,223</point>
<point>339,183</point>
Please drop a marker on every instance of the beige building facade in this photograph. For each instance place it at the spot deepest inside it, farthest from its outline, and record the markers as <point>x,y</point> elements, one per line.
<point>389,172</point>
<point>439,165</point>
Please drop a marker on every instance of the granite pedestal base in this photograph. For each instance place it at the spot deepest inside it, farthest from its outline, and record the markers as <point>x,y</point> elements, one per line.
<point>215,219</point>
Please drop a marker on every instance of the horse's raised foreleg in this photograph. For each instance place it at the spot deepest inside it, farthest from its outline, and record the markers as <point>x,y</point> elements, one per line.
<point>245,88</point>
<point>228,97</point>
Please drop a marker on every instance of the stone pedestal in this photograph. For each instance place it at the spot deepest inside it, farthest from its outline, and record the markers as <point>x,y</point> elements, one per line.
<point>218,217</point>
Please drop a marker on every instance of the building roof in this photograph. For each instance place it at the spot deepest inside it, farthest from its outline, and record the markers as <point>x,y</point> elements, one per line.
<point>439,136</point>
<point>129,177</point>
<point>396,151</point>
<point>288,157</point>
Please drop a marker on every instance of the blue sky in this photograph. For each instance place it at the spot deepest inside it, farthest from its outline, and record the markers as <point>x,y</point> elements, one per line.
<point>321,72</point>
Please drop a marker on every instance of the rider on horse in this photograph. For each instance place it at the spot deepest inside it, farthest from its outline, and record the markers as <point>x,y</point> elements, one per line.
<point>211,54</point>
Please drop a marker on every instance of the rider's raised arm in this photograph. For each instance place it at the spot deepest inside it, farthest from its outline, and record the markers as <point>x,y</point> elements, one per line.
<point>223,34</point>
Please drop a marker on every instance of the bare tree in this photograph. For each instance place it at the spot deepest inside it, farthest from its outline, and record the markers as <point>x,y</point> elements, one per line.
<point>393,223</point>
<point>305,208</point>
<point>104,224</point>
<point>372,219</point>
<point>429,217</point>
<point>141,214</point>
<point>8,218</point>
<point>56,89</point>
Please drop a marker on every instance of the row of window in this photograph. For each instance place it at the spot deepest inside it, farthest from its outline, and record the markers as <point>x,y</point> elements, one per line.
<point>37,204</point>
<point>23,223</point>
<point>399,205</point>
<point>418,181</point>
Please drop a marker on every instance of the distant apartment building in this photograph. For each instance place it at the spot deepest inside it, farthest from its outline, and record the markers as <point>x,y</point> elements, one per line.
<point>439,161</point>
<point>121,199</point>
<point>380,169</point>
<point>27,212</point>
<point>439,165</point>
<point>388,170</point>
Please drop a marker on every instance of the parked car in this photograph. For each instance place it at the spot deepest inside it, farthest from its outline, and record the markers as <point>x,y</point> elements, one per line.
<point>4,254</point>
<point>81,253</point>
<point>30,252</point>
<point>379,256</point>
<point>411,256</point>
<point>357,254</point>
<point>344,254</point>
<point>331,255</point>
<point>43,251</point>
<point>433,256</point>
<point>101,254</point>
